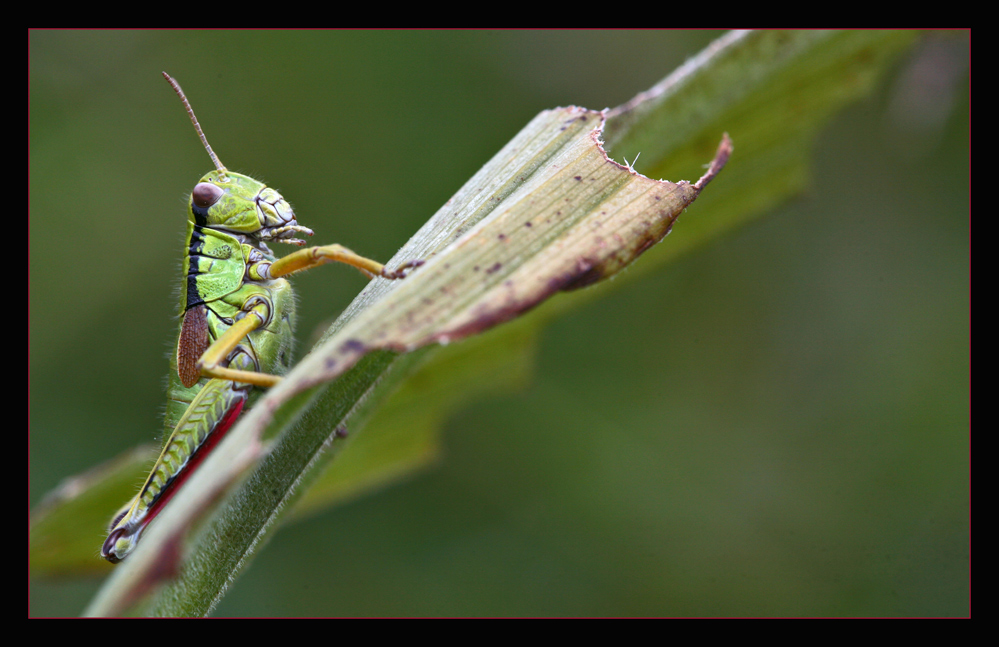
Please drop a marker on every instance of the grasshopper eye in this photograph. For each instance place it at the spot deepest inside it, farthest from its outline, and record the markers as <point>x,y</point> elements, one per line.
<point>205,195</point>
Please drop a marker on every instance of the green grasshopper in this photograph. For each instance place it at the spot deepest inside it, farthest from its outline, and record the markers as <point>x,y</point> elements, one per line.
<point>238,315</point>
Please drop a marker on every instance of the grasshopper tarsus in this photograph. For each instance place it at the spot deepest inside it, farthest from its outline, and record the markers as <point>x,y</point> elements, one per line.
<point>402,271</point>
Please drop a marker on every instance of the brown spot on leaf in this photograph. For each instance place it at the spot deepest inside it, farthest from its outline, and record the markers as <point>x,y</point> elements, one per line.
<point>352,346</point>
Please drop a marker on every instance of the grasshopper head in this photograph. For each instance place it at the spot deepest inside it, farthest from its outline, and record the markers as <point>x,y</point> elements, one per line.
<point>240,204</point>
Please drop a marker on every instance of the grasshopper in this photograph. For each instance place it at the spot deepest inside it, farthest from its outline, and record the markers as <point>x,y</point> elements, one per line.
<point>237,319</point>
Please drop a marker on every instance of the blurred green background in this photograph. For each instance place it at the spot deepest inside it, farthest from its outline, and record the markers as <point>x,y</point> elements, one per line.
<point>775,425</point>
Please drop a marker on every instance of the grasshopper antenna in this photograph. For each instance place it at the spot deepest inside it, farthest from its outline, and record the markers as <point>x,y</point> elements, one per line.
<point>194,120</point>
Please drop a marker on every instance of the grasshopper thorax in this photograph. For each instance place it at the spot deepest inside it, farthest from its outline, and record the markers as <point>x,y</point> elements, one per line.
<point>239,204</point>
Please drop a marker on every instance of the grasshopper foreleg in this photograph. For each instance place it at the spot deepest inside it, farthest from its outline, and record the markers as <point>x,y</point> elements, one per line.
<point>306,259</point>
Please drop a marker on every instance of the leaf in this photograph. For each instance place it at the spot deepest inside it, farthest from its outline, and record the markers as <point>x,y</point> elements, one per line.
<point>796,80</point>
<point>403,435</point>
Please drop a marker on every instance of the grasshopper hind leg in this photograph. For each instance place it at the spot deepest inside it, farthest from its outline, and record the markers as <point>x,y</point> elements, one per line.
<point>210,415</point>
